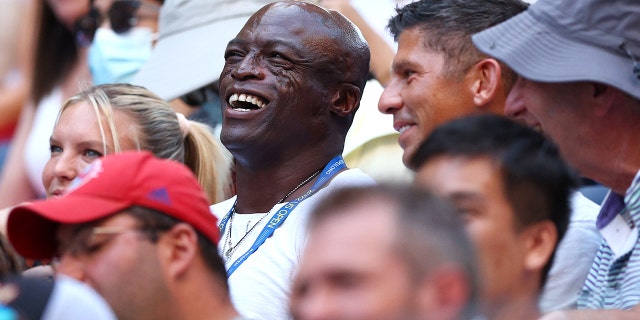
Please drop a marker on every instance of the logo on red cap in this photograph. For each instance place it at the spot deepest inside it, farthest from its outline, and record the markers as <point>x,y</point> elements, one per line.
<point>160,195</point>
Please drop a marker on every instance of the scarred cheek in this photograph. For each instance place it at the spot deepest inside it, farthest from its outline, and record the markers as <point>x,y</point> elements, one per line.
<point>287,84</point>
<point>226,71</point>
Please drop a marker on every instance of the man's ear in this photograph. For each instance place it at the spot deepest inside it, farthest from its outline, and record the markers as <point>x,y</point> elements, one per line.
<point>346,100</point>
<point>603,96</point>
<point>541,241</point>
<point>486,80</point>
<point>179,247</point>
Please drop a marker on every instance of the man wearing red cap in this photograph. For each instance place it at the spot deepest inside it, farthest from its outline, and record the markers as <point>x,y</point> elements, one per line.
<point>137,229</point>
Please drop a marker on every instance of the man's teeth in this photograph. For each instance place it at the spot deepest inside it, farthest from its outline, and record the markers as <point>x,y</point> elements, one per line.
<point>242,101</point>
<point>404,128</point>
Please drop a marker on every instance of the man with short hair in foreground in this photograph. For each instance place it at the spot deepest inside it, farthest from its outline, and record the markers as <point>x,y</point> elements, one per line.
<point>385,252</point>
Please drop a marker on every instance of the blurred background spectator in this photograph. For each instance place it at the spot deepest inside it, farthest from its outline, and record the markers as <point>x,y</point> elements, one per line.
<point>121,34</point>
<point>16,23</point>
<point>67,36</point>
<point>59,64</point>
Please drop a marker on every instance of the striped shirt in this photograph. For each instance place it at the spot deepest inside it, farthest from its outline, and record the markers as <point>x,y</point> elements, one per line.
<point>614,279</point>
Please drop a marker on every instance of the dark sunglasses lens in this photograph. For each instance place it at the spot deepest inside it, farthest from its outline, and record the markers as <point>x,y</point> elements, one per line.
<point>86,26</point>
<point>122,15</point>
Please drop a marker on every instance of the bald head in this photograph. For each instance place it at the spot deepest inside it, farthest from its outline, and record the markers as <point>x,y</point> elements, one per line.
<point>337,41</point>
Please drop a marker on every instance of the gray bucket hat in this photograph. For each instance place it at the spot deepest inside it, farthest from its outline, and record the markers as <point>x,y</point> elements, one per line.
<point>570,40</point>
<point>193,35</point>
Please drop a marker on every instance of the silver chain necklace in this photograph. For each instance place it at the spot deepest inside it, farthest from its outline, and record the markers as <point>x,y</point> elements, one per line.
<point>232,248</point>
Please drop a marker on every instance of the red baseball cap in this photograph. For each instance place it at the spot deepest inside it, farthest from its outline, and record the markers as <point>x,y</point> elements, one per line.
<point>108,186</point>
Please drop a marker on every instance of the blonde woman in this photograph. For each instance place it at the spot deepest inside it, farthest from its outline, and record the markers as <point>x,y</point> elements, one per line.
<point>113,118</point>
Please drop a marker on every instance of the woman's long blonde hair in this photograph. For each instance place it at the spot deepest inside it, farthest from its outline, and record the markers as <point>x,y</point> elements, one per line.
<point>159,131</point>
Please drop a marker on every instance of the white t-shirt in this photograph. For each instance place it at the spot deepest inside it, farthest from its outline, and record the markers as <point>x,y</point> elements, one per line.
<point>574,257</point>
<point>260,286</point>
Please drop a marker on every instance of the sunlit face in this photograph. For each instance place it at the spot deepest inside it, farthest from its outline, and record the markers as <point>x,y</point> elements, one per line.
<point>76,141</point>
<point>275,85</point>
<point>420,94</point>
<point>350,271</point>
<point>561,111</point>
<point>475,186</point>
<point>118,261</point>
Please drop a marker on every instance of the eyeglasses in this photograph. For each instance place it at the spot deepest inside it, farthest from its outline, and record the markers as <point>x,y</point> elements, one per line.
<point>123,15</point>
<point>91,240</point>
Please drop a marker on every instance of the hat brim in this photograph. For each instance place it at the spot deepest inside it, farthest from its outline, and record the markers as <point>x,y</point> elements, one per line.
<point>188,60</point>
<point>31,228</point>
<point>536,51</point>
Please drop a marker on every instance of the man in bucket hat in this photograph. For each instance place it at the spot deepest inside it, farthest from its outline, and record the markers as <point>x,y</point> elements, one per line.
<point>139,231</point>
<point>580,83</point>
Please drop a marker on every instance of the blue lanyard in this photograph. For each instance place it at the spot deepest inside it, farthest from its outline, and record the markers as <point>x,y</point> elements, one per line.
<point>330,170</point>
